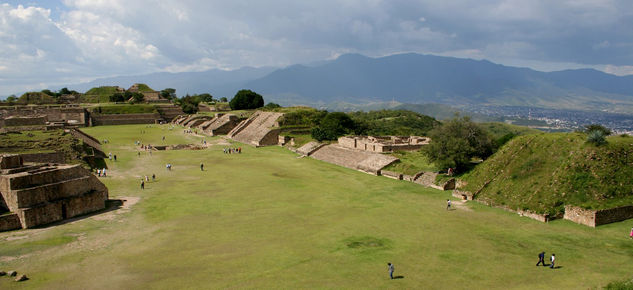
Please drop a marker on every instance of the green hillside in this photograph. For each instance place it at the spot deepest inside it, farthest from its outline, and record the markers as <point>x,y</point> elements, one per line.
<point>544,172</point>
<point>102,91</point>
<point>144,88</point>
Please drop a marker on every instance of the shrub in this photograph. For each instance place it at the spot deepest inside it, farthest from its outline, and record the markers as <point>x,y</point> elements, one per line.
<point>596,137</point>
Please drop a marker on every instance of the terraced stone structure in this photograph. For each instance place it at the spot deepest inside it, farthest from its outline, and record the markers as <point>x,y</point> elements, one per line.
<point>351,158</point>
<point>383,144</point>
<point>221,124</point>
<point>35,194</point>
<point>261,129</point>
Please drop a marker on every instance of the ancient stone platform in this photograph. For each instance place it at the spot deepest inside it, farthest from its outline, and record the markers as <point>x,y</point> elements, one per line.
<point>38,194</point>
<point>261,129</point>
<point>355,159</point>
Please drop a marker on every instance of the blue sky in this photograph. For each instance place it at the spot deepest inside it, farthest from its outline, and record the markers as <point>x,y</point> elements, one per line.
<point>52,43</point>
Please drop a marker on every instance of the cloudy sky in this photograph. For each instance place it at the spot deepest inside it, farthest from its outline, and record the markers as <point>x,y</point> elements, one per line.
<point>57,42</point>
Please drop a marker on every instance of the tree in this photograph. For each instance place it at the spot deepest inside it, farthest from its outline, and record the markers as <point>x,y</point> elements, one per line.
<point>189,104</point>
<point>456,142</point>
<point>136,97</point>
<point>597,127</point>
<point>246,100</point>
<point>223,99</point>
<point>117,98</point>
<point>12,98</point>
<point>334,125</point>
<point>168,94</point>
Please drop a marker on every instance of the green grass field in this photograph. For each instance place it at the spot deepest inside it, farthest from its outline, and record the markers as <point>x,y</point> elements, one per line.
<point>267,219</point>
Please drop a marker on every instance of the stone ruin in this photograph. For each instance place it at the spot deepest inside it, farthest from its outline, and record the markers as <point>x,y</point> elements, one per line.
<point>261,129</point>
<point>35,194</point>
<point>364,161</point>
<point>382,144</point>
<point>221,124</point>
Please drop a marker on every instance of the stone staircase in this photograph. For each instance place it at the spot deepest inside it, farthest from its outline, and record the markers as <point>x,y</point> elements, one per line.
<point>260,129</point>
<point>354,159</point>
<point>221,124</point>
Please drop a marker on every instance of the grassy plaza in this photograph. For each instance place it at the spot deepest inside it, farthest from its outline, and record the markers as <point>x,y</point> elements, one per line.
<point>268,219</point>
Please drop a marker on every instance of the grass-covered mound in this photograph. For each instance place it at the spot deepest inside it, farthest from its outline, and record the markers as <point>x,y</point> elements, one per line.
<point>99,94</point>
<point>544,172</point>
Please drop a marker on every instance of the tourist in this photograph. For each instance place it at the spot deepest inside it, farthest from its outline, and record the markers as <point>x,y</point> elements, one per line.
<point>201,167</point>
<point>103,171</point>
<point>391,269</point>
<point>631,234</point>
<point>163,138</point>
<point>541,258</point>
<point>146,178</point>
<point>139,153</point>
<point>110,155</point>
<point>142,184</point>
<point>448,204</point>
<point>99,172</point>
<point>114,157</point>
<point>153,177</point>
<point>553,260</point>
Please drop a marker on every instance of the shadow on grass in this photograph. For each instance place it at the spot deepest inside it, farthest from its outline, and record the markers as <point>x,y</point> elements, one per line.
<point>398,277</point>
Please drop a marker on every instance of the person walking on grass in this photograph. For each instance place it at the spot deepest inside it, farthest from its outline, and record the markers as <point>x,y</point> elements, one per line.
<point>201,167</point>
<point>541,258</point>
<point>631,234</point>
<point>448,204</point>
<point>142,184</point>
<point>391,269</point>
<point>553,260</point>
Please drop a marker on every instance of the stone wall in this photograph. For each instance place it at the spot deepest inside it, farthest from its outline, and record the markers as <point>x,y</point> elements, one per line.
<point>87,139</point>
<point>50,157</point>
<point>595,218</point>
<point>391,174</point>
<point>124,119</point>
<point>382,144</point>
<point>9,222</point>
<point>45,193</point>
<point>69,113</point>
<point>8,161</point>
<point>25,120</point>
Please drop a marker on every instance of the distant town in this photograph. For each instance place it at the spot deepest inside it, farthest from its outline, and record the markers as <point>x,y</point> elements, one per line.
<point>557,119</point>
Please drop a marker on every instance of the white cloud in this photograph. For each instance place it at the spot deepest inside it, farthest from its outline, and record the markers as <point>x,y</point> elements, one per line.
<point>94,38</point>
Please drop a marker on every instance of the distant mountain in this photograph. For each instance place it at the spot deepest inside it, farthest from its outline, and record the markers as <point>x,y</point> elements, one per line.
<point>415,78</point>
<point>405,78</point>
<point>219,83</point>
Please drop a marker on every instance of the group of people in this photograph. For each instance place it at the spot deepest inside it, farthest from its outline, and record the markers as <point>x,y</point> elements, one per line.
<point>101,172</point>
<point>541,260</point>
<point>233,150</point>
<point>110,156</point>
<point>147,180</point>
<point>189,131</point>
<point>168,166</point>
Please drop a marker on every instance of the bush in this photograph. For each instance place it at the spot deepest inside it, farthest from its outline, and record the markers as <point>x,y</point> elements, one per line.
<point>246,100</point>
<point>271,106</point>
<point>596,137</point>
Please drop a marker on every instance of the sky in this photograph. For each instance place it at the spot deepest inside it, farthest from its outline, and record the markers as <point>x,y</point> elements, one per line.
<point>61,42</point>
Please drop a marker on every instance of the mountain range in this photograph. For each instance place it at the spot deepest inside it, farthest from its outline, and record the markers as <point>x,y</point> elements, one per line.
<point>405,78</point>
